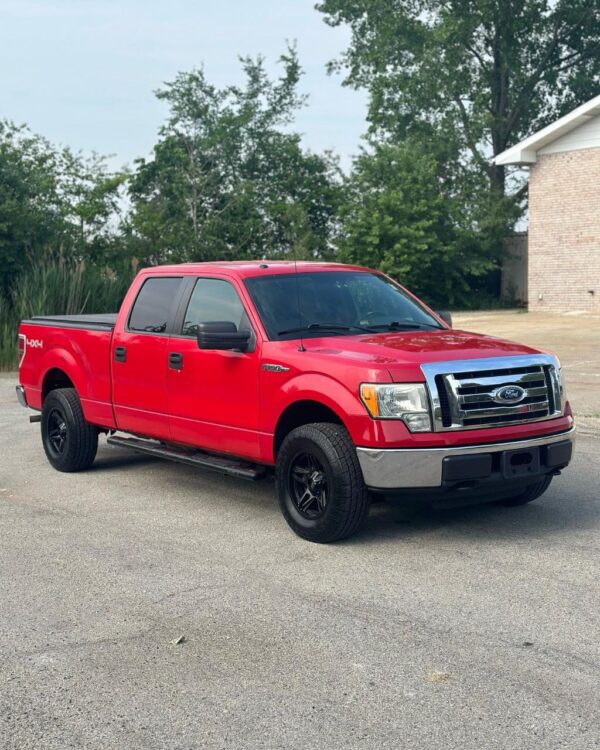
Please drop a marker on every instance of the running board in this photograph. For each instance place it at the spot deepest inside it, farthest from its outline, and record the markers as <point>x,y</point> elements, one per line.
<point>223,464</point>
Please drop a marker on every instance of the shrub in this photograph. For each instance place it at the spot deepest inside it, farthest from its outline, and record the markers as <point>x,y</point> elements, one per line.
<point>57,288</point>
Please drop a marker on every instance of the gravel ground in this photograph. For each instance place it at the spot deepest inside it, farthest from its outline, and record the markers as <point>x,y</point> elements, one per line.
<point>472,628</point>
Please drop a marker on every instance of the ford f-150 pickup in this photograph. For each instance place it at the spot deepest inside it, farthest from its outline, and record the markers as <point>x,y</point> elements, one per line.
<point>333,376</point>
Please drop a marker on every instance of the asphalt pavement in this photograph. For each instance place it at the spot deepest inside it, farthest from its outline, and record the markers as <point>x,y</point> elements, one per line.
<point>151,605</point>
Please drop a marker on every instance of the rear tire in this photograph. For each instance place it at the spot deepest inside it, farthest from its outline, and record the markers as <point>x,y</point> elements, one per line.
<point>530,494</point>
<point>320,486</point>
<point>69,441</point>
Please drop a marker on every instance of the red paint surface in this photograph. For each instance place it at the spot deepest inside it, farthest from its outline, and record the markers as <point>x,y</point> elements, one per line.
<point>225,402</point>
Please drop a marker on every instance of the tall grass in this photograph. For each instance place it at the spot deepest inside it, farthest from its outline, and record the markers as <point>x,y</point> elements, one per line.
<point>56,288</point>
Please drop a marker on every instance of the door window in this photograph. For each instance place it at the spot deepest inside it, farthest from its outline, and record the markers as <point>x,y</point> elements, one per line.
<point>214,300</point>
<point>152,307</point>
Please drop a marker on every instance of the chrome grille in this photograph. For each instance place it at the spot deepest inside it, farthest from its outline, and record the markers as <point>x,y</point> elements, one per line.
<point>466,394</point>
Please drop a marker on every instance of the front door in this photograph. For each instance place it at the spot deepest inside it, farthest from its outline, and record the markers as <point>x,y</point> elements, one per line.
<point>213,395</point>
<point>139,359</point>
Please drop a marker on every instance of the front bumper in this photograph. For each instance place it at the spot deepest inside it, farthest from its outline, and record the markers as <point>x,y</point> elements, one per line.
<point>409,468</point>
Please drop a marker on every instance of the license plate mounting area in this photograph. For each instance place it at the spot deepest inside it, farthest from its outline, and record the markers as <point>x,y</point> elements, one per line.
<point>519,463</point>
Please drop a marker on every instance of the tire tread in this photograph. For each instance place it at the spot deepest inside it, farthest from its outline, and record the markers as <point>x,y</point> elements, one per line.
<point>529,494</point>
<point>354,508</point>
<point>83,439</point>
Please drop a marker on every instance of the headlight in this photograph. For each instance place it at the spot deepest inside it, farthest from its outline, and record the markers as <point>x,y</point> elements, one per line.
<point>405,401</point>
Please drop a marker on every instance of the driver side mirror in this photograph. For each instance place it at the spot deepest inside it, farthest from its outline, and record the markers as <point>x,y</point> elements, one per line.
<point>222,335</point>
<point>446,316</point>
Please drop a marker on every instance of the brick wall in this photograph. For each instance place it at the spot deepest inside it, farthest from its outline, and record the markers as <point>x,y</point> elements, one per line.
<point>564,232</point>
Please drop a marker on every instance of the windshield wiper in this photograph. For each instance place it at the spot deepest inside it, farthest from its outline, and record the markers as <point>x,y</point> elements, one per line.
<point>407,326</point>
<point>324,327</point>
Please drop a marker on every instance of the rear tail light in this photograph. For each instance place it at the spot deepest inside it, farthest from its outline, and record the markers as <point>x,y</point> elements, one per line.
<point>22,346</point>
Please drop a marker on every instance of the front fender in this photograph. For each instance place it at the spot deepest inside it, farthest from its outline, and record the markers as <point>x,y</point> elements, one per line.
<point>321,388</point>
<point>324,390</point>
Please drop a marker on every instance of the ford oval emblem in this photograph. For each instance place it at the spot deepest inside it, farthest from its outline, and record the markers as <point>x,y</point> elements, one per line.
<point>509,394</point>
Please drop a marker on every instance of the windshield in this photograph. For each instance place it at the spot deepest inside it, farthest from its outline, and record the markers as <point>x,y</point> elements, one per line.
<point>334,303</point>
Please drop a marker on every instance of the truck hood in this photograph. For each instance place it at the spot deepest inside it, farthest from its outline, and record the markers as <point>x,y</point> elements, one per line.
<point>413,348</point>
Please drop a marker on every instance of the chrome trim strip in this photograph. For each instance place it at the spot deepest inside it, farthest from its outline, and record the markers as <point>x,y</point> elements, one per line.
<point>498,411</point>
<point>492,380</point>
<point>451,371</point>
<point>475,398</point>
<point>403,468</point>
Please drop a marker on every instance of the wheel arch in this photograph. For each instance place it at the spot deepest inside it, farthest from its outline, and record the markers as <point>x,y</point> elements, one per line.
<point>54,378</point>
<point>299,413</point>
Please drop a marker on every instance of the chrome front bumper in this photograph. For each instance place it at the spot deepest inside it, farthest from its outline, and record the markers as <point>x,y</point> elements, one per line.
<point>406,468</point>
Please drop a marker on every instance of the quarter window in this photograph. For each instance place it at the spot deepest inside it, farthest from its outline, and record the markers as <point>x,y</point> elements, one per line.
<point>152,307</point>
<point>214,300</point>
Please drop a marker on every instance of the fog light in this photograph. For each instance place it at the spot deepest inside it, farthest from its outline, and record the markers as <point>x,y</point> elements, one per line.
<point>417,422</point>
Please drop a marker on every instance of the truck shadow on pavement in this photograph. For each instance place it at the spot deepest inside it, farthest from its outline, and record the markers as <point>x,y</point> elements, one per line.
<point>555,513</point>
<point>117,461</point>
<point>560,510</point>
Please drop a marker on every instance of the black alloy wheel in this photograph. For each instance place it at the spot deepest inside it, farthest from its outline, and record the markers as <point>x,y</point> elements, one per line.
<point>57,432</point>
<point>320,486</point>
<point>69,441</point>
<point>308,485</point>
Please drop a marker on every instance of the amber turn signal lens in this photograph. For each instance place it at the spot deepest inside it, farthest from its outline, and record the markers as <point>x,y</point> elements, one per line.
<point>368,395</point>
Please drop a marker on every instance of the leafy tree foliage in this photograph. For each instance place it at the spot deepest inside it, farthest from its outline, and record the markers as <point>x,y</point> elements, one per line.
<point>397,218</point>
<point>451,84</point>
<point>470,78</point>
<point>51,202</point>
<point>227,179</point>
<point>28,199</point>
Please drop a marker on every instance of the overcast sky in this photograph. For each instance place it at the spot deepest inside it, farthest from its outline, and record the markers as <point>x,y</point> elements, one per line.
<point>82,72</point>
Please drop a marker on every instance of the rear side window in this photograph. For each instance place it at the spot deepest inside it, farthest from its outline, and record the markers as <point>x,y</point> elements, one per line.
<point>152,307</point>
<point>214,300</point>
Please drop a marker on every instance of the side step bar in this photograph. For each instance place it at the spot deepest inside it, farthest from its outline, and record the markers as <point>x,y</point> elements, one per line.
<point>223,464</point>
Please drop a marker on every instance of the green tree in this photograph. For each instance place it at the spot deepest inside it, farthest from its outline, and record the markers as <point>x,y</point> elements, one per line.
<point>93,205</point>
<point>470,78</point>
<point>29,201</point>
<point>227,178</point>
<point>397,218</point>
<point>52,202</point>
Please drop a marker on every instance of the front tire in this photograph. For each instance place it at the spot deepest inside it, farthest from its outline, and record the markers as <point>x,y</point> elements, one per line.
<point>531,493</point>
<point>69,441</point>
<point>320,486</point>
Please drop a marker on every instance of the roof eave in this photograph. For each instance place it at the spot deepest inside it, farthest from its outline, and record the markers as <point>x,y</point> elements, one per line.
<point>526,151</point>
<point>522,156</point>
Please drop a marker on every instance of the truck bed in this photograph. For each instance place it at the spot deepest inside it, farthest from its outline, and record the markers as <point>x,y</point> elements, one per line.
<point>95,322</point>
<point>78,345</point>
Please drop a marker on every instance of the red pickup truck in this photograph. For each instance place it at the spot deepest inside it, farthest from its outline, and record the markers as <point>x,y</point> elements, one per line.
<point>335,376</point>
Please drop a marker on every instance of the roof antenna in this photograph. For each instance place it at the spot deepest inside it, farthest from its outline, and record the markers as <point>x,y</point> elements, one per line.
<point>301,348</point>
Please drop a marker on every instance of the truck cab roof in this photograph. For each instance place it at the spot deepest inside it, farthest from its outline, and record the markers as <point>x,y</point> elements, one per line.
<point>248,268</point>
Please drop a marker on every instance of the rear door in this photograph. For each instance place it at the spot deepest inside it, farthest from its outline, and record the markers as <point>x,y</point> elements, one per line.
<point>213,395</point>
<point>139,358</point>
